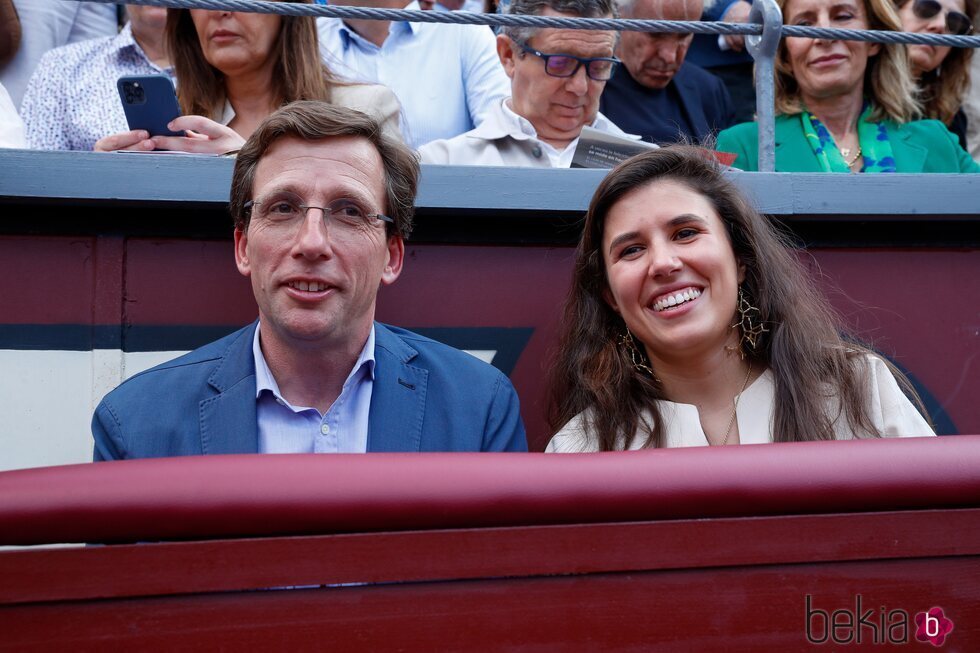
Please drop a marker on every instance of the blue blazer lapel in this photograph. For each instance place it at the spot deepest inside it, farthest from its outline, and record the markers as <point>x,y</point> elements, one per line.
<point>398,397</point>
<point>228,419</point>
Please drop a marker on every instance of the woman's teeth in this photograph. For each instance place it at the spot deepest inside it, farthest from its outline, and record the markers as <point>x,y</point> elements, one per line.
<point>676,299</point>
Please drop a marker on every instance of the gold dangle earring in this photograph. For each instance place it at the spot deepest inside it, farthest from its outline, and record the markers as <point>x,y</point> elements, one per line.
<point>750,325</point>
<point>635,356</point>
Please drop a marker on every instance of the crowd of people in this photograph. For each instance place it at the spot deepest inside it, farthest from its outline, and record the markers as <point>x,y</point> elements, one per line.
<point>465,95</point>
<point>689,321</point>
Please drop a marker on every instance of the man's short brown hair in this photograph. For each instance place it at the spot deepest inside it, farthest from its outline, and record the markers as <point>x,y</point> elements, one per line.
<point>312,121</point>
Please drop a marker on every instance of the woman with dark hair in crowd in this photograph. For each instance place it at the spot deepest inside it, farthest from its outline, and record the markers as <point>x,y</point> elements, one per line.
<point>691,322</point>
<point>234,69</point>
<point>943,74</point>
<point>847,106</point>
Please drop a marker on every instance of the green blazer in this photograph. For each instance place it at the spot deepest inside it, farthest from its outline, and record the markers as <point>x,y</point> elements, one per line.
<point>918,146</point>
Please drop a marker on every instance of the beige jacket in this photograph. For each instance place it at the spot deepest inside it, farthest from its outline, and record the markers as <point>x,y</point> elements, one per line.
<point>504,139</point>
<point>891,412</point>
<point>375,100</point>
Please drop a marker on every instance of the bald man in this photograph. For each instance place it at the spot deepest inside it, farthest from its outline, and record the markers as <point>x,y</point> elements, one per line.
<point>655,93</point>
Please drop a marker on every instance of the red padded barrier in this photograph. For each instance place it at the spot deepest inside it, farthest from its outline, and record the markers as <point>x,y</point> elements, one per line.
<point>248,495</point>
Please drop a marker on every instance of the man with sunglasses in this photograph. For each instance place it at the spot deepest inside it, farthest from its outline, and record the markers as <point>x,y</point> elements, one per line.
<point>322,201</point>
<point>557,77</point>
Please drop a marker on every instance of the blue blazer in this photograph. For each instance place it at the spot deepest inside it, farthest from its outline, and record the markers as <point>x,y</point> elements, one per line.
<point>704,50</point>
<point>427,396</point>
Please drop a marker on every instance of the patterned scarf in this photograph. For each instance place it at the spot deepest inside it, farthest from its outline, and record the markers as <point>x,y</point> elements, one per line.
<point>872,138</point>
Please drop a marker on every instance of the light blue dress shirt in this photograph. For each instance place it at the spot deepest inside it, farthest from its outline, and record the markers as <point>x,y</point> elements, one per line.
<point>284,428</point>
<point>447,77</point>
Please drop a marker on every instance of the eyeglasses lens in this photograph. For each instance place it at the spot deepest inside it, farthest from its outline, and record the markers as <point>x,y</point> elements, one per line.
<point>560,66</point>
<point>600,70</point>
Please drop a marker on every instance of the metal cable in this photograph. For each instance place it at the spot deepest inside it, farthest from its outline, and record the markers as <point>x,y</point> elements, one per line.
<point>507,20</point>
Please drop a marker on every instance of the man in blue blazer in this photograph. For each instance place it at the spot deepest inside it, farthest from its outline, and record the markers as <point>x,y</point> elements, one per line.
<point>656,93</point>
<point>322,203</point>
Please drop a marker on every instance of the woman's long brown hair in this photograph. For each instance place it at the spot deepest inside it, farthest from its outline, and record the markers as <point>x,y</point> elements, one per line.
<point>299,74</point>
<point>941,91</point>
<point>810,362</point>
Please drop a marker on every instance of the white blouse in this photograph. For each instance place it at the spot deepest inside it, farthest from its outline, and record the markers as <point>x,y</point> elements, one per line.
<point>890,411</point>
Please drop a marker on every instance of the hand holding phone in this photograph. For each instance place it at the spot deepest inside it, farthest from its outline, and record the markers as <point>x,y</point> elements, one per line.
<point>150,103</point>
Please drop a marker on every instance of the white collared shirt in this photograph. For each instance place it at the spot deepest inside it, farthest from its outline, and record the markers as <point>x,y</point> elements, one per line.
<point>11,126</point>
<point>559,158</point>
<point>890,411</point>
<point>284,428</point>
<point>447,77</point>
<point>508,139</point>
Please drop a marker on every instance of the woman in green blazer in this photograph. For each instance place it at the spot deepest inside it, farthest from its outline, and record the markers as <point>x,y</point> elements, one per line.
<point>847,106</point>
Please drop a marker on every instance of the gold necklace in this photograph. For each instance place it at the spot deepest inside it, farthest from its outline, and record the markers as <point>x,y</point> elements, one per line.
<point>846,152</point>
<point>731,421</point>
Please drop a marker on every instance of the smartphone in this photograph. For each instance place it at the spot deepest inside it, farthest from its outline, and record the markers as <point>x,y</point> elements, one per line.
<point>150,103</point>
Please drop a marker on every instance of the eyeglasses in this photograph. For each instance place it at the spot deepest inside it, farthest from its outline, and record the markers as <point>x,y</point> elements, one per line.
<point>565,65</point>
<point>956,23</point>
<point>287,211</point>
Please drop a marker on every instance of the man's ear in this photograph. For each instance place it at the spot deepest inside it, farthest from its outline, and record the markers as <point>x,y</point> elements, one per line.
<point>506,52</point>
<point>395,259</point>
<point>241,252</point>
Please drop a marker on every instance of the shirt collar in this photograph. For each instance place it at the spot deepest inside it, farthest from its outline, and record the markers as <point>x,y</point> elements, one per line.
<point>347,34</point>
<point>125,41</point>
<point>507,122</point>
<point>265,381</point>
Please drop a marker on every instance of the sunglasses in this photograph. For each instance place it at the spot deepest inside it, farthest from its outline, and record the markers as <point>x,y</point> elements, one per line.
<point>956,23</point>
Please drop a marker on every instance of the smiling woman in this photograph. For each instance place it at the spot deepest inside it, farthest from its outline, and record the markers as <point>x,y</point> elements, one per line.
<point>847,106</point>
<point>691,322</point>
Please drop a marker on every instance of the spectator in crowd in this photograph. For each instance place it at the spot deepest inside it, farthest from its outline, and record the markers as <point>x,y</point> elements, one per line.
<point>322,202</point>
<point>9,32</point>
<point>11,126</point>
<point>72,102</point>
<point>48,24</point>
<point>557,77</point>
<point>656,93</point>
<point>726,56</point>
<point>691,322</point>
<point>234,69</point>
<point>847,106</point>
<point>943,74</point>
<point>971,107</point>
<point>446,77</point>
